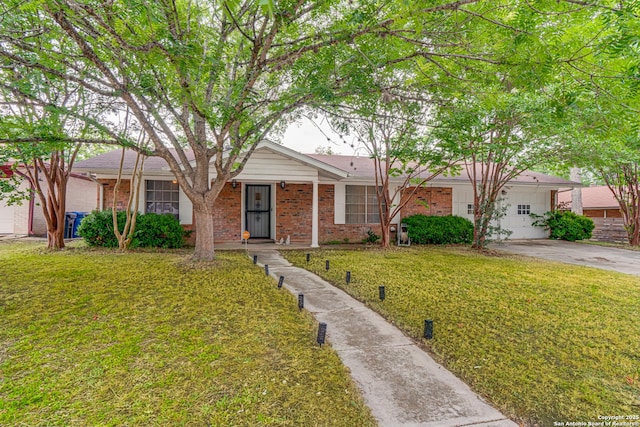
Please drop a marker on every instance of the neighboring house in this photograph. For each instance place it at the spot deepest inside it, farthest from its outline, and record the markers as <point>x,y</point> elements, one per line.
<point>599,204</point>
<point>27,219</point>
<point>313,198</point>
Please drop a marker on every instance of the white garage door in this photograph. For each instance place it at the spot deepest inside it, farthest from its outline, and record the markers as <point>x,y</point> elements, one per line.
<point>520,204</point>
<point>6,218</point>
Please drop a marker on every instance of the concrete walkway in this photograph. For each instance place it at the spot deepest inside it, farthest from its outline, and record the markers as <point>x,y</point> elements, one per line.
<point>401,384</point>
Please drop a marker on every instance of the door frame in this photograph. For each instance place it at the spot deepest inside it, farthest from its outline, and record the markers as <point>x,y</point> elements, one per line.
<point>270,211</point>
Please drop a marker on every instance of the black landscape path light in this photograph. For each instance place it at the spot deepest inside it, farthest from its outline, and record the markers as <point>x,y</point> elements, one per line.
<point>381,292</point>
<point>348,278</point>
<point>266,269</point>
<point>255,259</point>
<point>280,282</point>
<point>308,258</point>
<point>300,301</point>
<point>428,329</point>
<point>322,333</point>
<point>326,265</point>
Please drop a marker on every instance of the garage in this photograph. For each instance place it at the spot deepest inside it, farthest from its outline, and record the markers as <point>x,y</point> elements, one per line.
<point>519,205</point>
<point>518,202</point>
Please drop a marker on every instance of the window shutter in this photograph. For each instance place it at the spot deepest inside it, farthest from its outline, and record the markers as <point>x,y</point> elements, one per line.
<point>339,197</point>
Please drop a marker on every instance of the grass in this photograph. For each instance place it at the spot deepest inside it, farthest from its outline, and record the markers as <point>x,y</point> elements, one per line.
<point>544,342</point>
<point>103,338</point>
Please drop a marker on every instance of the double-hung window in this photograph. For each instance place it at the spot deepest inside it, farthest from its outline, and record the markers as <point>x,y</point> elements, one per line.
<point>162,197</point>
<point>361,205</point>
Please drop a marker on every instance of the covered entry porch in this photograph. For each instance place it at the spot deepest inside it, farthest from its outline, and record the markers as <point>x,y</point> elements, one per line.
<point>274,198</point>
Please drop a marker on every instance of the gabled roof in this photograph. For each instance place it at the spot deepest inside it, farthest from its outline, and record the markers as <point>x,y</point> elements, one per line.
<point>332,166</point>
<point>592,198</point>
<point>309,160</point>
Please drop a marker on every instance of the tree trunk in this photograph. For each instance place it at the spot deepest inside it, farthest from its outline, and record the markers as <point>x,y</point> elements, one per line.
<point>634,237</point>
<point>55,235</point>
<point>480,230</point>
<point>476,233</point>
<point>54,203</point>
<point>203,216</point>
<point>631,217</point>
<point>57,215</point>
<point>385,234</point>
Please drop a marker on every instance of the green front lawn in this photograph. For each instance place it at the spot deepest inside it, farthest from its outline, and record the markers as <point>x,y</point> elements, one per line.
<point>544,342</point>
<point>103,338</point>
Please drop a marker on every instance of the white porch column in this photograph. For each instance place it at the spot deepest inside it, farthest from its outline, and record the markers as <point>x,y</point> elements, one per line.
<point>314,216</point>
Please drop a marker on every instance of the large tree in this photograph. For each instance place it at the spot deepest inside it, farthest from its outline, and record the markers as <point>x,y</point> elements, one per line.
<point>514,112</point>
<point>392,133</point>
<point>499,135</point>
<point>601,83</point>
<point>411,74</point>
<point>42,143</point>
<point>206,80</point>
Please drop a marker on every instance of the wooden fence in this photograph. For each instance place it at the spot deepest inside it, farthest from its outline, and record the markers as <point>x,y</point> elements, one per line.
<point>609,230</point>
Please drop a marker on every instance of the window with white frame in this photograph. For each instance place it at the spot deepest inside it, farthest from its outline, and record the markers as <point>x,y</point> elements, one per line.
<point>162,197</point>
<point>469,209</point>
<point>361,205</point>
<point>524,209</point>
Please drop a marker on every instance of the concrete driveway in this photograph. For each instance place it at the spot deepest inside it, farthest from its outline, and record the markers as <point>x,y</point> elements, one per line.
<point>621,260</point>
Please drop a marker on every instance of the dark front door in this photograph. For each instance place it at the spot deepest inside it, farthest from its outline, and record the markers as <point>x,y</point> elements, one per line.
<point>258,211</point>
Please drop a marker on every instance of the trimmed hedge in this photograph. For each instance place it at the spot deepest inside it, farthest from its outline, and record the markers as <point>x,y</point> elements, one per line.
<point>565,225</point>
<point>152,230</point>
<point>439,230</point>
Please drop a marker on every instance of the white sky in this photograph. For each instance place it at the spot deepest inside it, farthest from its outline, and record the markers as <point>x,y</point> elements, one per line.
<point>305,137</point>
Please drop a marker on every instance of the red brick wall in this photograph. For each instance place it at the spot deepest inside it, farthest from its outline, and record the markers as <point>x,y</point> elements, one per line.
<point>294,212</point>
<point>429,201</point>
<point>439,201</point>
<point>328,230</point>
<point>227,214</point>
<point>123,193</point>
<point>294,209</point>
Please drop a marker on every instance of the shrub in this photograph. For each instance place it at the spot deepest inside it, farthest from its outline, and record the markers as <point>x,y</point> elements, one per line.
<point>152,230</point>
<point>565,225</point>
<point>159,231</point>
<point>97,229</point>
<point>439,230</point>
<point>371,238</point>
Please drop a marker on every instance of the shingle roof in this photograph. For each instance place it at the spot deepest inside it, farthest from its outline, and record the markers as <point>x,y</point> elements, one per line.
<point>355,166</point>
<point>111,160</point>
<point>364,167</point>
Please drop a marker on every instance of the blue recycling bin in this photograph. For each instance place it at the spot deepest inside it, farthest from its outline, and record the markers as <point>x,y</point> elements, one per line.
<point>79,217</point>
<point>69,223</point>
